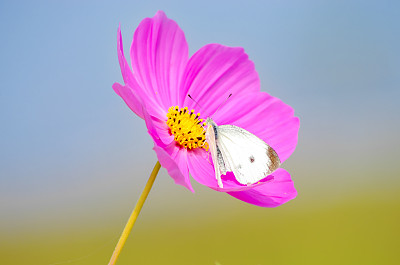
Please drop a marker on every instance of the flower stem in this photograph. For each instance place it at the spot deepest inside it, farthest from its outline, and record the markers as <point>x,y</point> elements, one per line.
<point>134,215</point>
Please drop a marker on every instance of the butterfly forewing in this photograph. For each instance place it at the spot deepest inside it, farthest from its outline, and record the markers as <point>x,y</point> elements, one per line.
<point>216,155</point>
<point>247,156</point>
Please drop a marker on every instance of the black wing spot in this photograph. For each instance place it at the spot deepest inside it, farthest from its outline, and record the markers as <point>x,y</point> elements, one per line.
<point>251,159</point>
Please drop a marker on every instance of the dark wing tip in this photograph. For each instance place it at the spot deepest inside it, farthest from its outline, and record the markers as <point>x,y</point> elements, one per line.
<point>273,156</point>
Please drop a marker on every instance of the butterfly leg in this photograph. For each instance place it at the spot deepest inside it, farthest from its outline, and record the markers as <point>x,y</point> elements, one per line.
<point>218,176</point>
<point>220,181</point>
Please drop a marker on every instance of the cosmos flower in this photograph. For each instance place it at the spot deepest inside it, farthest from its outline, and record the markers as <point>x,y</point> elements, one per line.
<point>157,86</point>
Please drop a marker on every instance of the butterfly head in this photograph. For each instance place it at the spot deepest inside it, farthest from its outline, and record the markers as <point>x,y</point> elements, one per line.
<point>211,131</point>
<point>209,122</point>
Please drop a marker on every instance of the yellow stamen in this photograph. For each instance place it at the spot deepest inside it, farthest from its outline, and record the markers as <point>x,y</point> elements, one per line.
<point>187,128</point>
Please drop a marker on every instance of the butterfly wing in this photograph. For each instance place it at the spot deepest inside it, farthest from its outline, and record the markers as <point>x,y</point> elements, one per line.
<point>247,156</point>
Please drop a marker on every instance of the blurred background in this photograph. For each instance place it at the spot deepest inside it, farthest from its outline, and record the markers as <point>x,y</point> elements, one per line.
<point>74,159</point>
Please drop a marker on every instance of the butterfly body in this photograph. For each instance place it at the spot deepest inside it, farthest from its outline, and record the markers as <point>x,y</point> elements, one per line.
<point>233,149</point>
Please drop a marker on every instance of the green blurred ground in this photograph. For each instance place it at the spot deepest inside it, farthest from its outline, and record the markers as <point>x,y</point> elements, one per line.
<point>363,229</point>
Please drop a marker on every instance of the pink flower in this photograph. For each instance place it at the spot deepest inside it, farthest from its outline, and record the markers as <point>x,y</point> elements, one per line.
<point>157,88</point>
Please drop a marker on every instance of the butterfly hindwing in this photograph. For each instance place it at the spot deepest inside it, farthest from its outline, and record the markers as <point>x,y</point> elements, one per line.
<point>247,156</point>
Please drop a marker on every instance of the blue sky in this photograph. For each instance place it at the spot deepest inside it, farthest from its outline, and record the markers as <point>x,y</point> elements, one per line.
<point>67,136</point>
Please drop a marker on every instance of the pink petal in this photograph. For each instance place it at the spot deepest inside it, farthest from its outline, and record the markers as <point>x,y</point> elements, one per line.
<point>176,165</point>
<point>129,79</point>
<point>162,130</point>
<point>126,71</point>
<point>264,116</point>
<point>171,157</point>
<point>134,102</point>
<point>214,72</point>
<point>271,194</point>
<point>159,55</point>
<point>132,91</point>
<point>202,170</point>
<point>130,98</point>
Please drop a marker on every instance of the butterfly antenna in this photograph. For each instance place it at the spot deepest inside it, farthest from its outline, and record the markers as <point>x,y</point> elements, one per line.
<point>203,108</point>
<point>195,101</point>
<point>197,104</point>
<point>223,103</point>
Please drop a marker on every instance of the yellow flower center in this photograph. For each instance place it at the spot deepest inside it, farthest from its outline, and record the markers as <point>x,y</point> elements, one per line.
<point>187,128</point>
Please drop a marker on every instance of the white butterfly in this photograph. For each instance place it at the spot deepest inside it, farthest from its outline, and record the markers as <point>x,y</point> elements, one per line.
<point>236,150</point>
